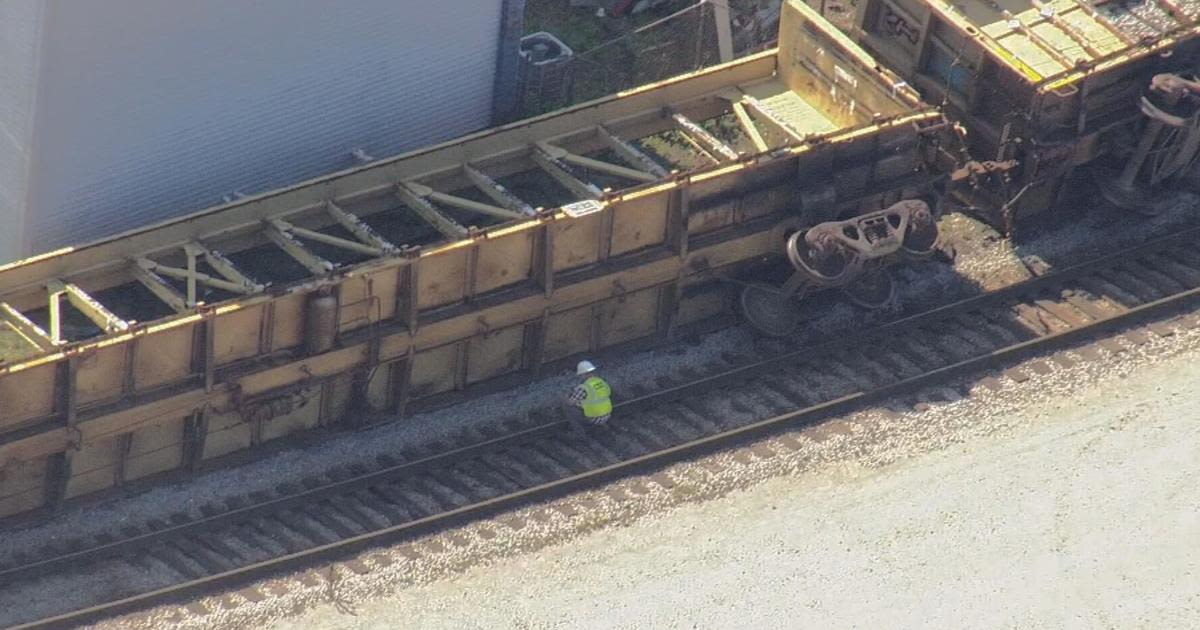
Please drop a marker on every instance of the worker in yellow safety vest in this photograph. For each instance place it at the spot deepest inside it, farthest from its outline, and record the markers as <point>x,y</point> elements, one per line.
<point>593,395</point>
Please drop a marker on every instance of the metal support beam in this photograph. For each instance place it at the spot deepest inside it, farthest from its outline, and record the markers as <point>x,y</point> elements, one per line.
<point>192,254</point>
<point>535,343</point>
<point>55,310</point>
<point>697,133</point>
<point>607,216</point>
<point>630,153</point>
<point>471,271</point>
<point>748,126</point>
<point>462,203</point>
<point>25,327</point>
<point>195,435</point>
<point>335,241</point>
<point>498,193</point>
<point>559,171</point>
<point>159,287</point>
<point>58,475</point>
<point>275,230</point>
<point>208,352</point>
<point>59,466</point>
<point>449,228</point>
<point>402,372</point>
<point>616,170</point>
<point>124,446</point>
<point>407,295</point>
<point>86,304</point>
<point>678,209</point>
<point>544,261</point>
<point>699,149</point>
<point>720,9</point>
<point>146,264</point>
<point>225,267</point>
<point>461,368</point>
<point>669,297</point>
<point>771,119</point>
<point>596,327</point>
<point>360,230</point>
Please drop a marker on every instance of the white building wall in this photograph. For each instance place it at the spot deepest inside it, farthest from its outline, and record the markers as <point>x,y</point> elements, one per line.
<point>20,21</point>
<point>150,109</point>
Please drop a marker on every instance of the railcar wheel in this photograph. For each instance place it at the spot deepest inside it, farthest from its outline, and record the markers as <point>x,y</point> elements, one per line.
<point>768,311</point>
<point>874,289</point>
<point>1134,198</point>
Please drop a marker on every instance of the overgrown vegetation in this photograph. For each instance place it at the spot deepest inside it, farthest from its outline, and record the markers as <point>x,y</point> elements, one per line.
<point>603,66</point>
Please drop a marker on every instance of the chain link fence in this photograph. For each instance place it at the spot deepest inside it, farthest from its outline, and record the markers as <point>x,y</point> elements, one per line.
<point>613,54</point>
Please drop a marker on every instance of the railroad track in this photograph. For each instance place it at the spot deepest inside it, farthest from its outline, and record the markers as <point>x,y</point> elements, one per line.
<point>738,397</point>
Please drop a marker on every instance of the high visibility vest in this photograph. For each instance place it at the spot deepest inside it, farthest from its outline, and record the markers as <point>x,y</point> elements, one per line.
<point>598,402</point>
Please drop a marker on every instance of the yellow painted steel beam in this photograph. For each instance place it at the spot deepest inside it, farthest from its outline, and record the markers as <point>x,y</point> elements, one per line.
<point>54,308</point>
<point>498,193</point>
<point>226,268</point>
<point>462,203</point>
<point>201,278</point>
<point>192,254</point>
<point>26,327</point>
<point>360,230</point>
<point>86,304</point>
<point>556,169</point>
<point>328,239</point>
<point>697,133</point>
<point>275,230</point>
<point>617,170</point>
<point>158,286</point>
<point>749,128</point>
<point>448,227</point>
<point>630,153</point>
<point>771,119</point>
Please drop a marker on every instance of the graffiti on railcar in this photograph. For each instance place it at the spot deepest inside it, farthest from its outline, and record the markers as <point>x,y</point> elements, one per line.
<point>896,24</point>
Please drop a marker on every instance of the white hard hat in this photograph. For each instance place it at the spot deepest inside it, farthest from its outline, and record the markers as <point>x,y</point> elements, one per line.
<point>584,367</point>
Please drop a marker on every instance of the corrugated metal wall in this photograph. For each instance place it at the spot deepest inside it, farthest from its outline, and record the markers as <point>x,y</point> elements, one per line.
<point>149,109</point>
<point>19,24</point>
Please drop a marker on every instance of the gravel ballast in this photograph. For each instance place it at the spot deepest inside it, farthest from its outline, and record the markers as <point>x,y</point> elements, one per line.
<point>1076,511</point>
<point>981,263</point>
<point>1065,499</point>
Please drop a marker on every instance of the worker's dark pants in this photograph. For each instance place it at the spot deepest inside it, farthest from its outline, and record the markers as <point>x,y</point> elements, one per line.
<point>600,420</point>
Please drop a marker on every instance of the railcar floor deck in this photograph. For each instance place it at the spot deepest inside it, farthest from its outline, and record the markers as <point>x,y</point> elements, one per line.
<point>1051,37</point>
<point>801,114</point>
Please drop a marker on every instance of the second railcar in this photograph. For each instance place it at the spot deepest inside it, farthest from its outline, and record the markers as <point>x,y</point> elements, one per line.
<point>1044,88</point>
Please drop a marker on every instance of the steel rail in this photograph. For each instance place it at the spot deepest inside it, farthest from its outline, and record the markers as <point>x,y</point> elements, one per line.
<point>658,458</point>
<point>667,394</point>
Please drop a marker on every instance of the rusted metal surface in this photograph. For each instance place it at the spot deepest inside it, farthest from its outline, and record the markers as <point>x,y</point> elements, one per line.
<point>853,255</point>
<point>1055,86</point>
<point>443,268</point>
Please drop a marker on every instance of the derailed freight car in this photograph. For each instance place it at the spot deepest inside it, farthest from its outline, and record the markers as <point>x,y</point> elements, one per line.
<point>349,296</point>
<point>1046,87</point>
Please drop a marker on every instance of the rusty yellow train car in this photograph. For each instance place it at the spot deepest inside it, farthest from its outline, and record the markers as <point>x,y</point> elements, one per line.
<point>1042,87</point>
<point>347,297</point>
